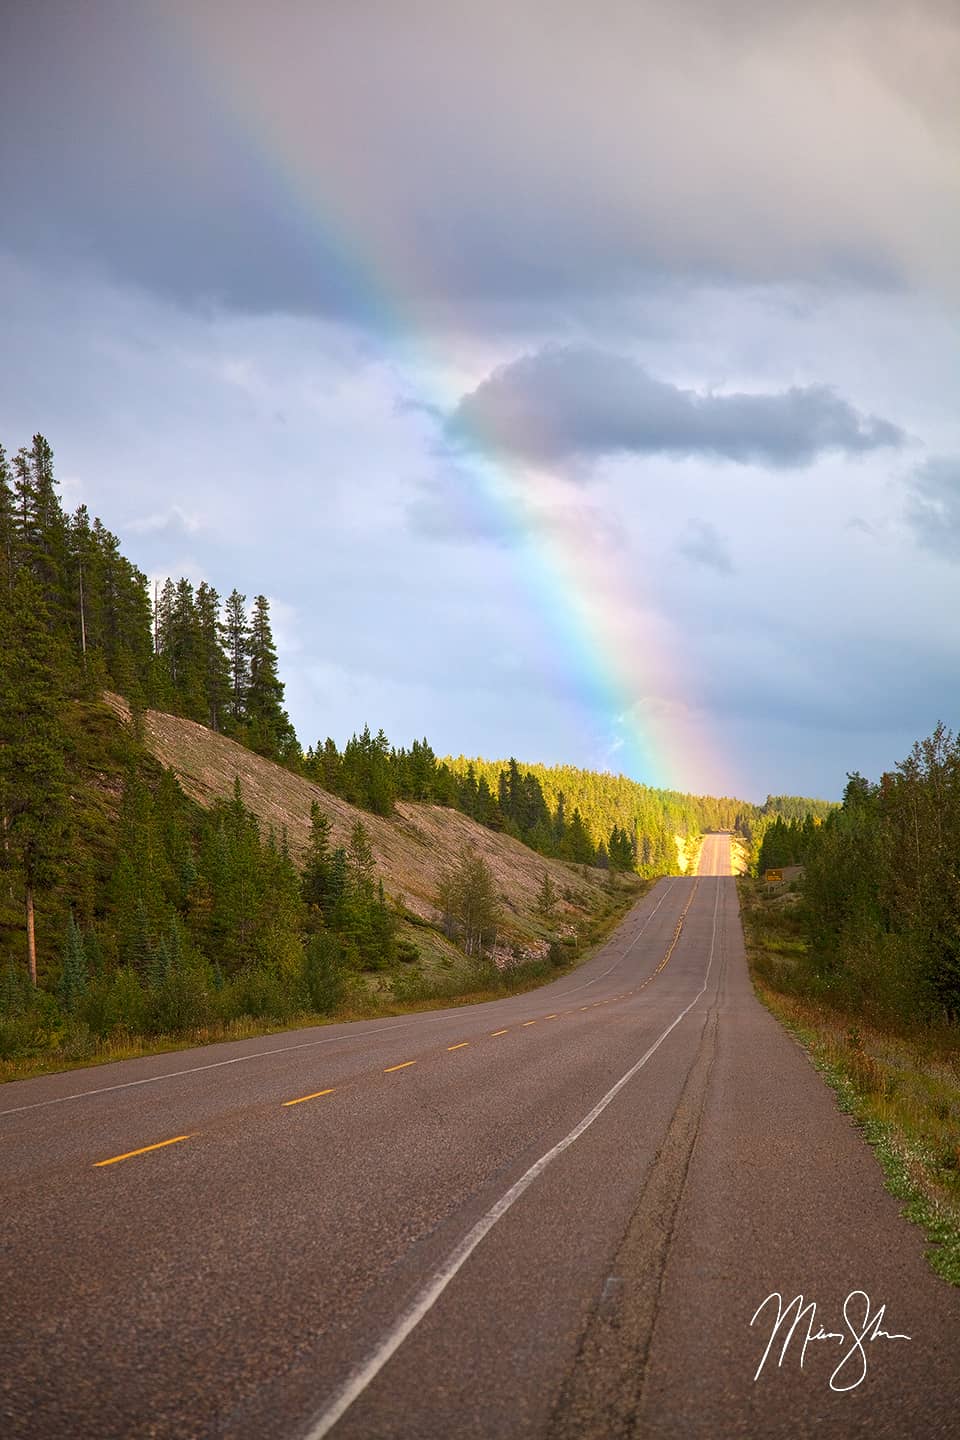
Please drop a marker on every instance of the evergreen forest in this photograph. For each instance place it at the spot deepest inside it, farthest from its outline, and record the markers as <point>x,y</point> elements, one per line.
<point>126,906</point>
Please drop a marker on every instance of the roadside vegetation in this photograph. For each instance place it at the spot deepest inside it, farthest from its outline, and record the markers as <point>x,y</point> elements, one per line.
<point>133,913</point>
<point>161,923</point>
<point>860,958</point>
<point>187,926</point>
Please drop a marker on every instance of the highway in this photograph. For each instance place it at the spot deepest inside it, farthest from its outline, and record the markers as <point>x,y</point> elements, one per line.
<point>551,1216</point>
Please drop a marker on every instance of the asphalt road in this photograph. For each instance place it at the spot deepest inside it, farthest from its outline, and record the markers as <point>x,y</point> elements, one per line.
<point>551,1216</point>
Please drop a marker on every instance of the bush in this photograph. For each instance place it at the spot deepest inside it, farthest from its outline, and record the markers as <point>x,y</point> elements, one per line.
<point>115,1003</point>
<point>325,972</point>
<point>407,952</point>
<point>23,1034</point>
<point>185,999</point>
<point>261,994</point>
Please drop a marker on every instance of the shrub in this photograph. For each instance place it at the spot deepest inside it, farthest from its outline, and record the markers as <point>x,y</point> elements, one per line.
<point>407,952</point>
<point>325,972</point>
<point>115,1003</point>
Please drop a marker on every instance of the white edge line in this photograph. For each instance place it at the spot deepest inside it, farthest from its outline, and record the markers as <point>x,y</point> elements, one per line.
<point>356,1383</point>
<point>620,958</point>
<point>283,1049</point>
<point>212,1065</point>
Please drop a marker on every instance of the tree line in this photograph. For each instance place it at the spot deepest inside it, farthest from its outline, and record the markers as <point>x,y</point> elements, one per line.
<point>503,796</point>
<point>780,830</point>
<point>85,614</point>
<point>786,842</point>
<point>77,617</point>
<point>202,917</point>
<point>882,889</point>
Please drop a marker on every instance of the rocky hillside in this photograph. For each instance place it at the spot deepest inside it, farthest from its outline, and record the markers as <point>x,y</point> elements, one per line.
<point>412,850</point>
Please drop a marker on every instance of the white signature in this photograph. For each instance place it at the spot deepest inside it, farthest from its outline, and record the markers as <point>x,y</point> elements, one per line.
<point>863,1325</point>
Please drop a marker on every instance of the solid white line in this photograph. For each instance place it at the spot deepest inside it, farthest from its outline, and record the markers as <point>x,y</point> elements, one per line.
<point>284,1049</point>
<point>356,1383</point>
<point>214,1065</point>
<point>620,959</point>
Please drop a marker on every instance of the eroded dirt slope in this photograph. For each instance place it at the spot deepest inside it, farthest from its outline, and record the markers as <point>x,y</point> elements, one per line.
<point>412,850</point>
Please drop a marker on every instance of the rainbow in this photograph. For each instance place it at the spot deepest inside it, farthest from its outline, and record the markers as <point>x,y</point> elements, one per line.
<point>606,640</point>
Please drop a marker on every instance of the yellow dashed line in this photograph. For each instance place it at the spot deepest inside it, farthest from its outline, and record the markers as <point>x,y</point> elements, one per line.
<point>498,1032</point>
<point>144,1149</point>
<point>301,1098</point>
<point>402,1066</point>
<point>550,1017</point>
<point>528,1022</point>
<point>460,1046</point>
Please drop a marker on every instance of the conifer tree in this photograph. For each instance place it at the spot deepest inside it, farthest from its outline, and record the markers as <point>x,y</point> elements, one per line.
<point>214,664</point>
<point>7,525</point>
<point>470,908</point>
<point>360,855</point>
<point>33,799</point>
<point>325,972</point>
<point>238,651</point>
<point>81,581</point>
<point>316,876</point>
<point>269,730</point>
<point>546,896</point>
<point>329,766</point>
<point>73,971</point>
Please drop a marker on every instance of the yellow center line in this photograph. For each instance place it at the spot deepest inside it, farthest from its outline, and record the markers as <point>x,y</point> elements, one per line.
<point>460,1046</point>
<point>402,1066</point>
<point>129,1154</point>
<point>528,1022</point>
<point>314,1096</point>
<point>551,1017</point>
<point>498,1032</point>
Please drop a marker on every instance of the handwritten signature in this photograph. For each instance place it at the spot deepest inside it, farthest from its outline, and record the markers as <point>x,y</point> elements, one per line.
<point>863,1325</point>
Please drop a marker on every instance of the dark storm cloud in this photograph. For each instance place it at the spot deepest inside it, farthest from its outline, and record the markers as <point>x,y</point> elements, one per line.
<point>306,157</point>
<point>933,506</point>
<point>567,401</point>
<point>114,152</point>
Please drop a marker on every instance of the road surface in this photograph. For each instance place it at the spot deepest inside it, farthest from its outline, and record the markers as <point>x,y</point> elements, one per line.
<point>549,1216</point>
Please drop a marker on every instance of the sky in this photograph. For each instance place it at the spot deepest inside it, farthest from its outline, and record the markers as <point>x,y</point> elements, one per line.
<point>578,382</point>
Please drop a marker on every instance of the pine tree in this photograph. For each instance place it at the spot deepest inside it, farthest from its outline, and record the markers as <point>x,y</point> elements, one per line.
<point>214,662</point>
<point>330,767</point>
<point>325,972</point>
<point>41,527</point>
<point>33,799</point>
<point>142,879</point>
<point>82,578</point>
<point>269,730</point>
<point>238,651</point>
<point>546,896</point>
<point>190,670</point>
<point>470,909</point>
<point>360,855</point>
<point>7,526</point>
<point>73,971</point>
<point>316,874</point>
<point>578,845</point>
<point>126,618</point>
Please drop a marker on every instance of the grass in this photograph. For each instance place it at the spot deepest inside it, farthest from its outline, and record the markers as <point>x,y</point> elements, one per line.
<point>901,1086</point>
<point>448,982</point>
